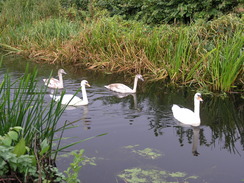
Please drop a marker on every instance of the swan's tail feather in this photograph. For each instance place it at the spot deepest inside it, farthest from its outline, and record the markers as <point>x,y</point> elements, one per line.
<point>175,107</point>
<point>54,97</point>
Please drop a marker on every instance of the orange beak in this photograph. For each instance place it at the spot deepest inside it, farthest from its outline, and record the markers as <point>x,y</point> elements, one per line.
<point>199,98</point>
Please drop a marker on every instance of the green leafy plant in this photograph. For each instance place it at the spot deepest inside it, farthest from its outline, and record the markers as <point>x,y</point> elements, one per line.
<point>14,155</point>
<point>75,166</point>
<point>158,11</point>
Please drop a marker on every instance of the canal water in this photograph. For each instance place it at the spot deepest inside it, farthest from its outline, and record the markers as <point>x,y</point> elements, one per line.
<point>143,142</point>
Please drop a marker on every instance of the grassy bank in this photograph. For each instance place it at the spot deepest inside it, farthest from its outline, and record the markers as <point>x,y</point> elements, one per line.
<point>204,54</point>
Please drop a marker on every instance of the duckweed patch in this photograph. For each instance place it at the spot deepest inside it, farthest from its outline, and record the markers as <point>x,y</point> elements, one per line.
<point>138,175</point>
<point>148,153</point>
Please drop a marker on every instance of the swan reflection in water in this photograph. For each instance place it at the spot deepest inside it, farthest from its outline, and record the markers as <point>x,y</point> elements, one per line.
<point>86,121</point>
<point>191,134</point>
<point>196,131</point>
<point>123,95</point>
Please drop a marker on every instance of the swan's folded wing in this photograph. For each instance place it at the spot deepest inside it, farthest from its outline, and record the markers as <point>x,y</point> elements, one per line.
<point>52,83</point>
<point>118,87</point>
<point>183,115</point>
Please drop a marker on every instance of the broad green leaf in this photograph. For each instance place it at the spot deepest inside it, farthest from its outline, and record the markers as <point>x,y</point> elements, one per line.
<point>44,146</point>
<point>20,149</point>
<point>16,128</point>
<point>13,135</point>
<point>7,141</point>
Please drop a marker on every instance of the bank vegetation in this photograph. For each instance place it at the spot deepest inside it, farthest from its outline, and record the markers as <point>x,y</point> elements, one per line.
<point>198,44</point>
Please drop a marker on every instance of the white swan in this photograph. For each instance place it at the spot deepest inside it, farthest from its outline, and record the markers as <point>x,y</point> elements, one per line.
<point>69,99</point>
<point>121,88</point>
<point>55,83</point>
<point>187,116</point>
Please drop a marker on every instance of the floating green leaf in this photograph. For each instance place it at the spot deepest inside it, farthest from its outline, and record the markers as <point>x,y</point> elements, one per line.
<point>177,174</point>
<point>131,146</point>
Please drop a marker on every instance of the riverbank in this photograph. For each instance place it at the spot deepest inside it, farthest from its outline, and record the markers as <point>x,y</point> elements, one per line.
<point>205,55</point>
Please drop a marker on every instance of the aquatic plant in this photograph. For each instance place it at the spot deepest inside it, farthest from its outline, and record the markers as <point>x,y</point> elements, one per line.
<point>139,175</point>
<point>148,153</point>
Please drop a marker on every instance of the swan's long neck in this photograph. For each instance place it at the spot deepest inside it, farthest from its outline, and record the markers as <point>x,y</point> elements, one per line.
<point>60,76</point>
<point>84,95</point>
<point>135,84</point>
<point>197,108</point>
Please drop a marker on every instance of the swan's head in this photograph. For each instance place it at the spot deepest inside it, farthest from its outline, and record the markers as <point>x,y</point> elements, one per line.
<point>61,71</point>
<point>84,83</point>
<point>139,76</point>
<point>198,97</point>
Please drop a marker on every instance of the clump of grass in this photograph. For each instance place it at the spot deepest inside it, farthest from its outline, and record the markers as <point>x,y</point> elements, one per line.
<point>226,62</point>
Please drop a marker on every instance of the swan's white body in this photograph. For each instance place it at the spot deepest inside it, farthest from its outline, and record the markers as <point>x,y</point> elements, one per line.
<point>187,116</point>
<point>121,88</point>
<point>56,83</point>
<point>69,99</point>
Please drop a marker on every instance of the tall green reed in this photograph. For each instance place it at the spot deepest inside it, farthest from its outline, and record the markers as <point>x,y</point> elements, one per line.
<point>23,104</point>
<point>226,61</point>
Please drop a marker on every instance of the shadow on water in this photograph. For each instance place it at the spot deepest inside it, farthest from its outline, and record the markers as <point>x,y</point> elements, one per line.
<point>224,115</point>
<point>144,120</point>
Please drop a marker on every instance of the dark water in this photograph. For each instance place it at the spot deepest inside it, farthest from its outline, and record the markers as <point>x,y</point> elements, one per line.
<point>134,124</point>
